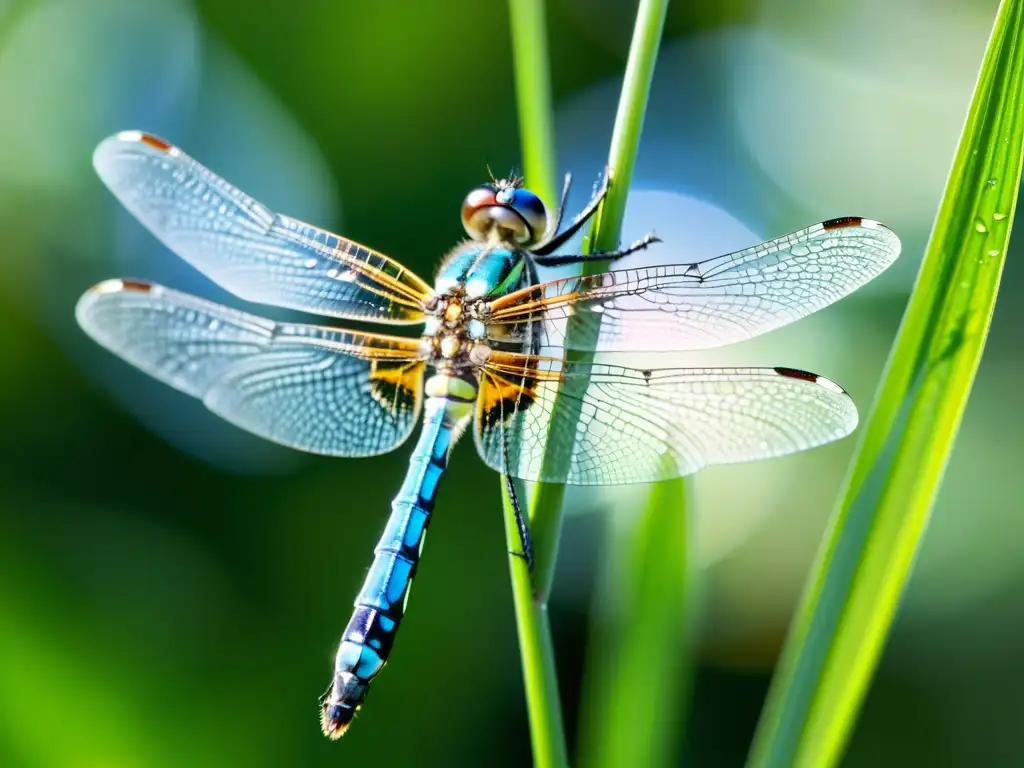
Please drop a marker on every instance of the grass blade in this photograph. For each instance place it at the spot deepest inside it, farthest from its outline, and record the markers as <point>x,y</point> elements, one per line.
<point>537,656</point>
<point>851,597</point>
<point>664,522</point>
<point>638,661</point>
<point>546,504</point>
<point>536,648</point>
<point>533,96</point>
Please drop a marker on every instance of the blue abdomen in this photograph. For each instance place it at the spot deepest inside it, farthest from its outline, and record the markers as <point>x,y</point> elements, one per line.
<point>380,604</point>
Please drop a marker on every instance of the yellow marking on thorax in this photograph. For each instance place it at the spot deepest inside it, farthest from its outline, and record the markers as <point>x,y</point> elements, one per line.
<point>450,346</point>
<point>453,311</point>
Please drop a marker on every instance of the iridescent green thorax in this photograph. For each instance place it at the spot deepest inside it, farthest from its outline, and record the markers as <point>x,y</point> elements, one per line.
<point>481,269</point>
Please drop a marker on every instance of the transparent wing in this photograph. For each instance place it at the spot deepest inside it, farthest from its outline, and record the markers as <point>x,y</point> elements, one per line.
<point>244,247</point>
<point>706,304</point>
<point>318,389</point>
<point>639,426</point>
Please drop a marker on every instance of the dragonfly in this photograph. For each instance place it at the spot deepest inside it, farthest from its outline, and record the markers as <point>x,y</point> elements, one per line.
<point>494,353</point>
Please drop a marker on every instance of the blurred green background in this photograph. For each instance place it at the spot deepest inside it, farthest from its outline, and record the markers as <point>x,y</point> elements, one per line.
<point>172,590</point>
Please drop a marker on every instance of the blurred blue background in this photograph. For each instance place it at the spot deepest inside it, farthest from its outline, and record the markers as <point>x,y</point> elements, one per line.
<point>172,590</point>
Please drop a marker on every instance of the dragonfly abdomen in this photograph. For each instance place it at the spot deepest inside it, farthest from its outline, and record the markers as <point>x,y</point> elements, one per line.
<point>380,604</point>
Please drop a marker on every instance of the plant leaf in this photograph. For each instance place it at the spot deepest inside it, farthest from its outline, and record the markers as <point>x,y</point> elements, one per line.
<point>852,594</point>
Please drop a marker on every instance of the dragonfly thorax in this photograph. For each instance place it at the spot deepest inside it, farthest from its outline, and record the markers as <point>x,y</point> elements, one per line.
<point>470,277</point>
<point>477,270</point>
<point>454,332</point>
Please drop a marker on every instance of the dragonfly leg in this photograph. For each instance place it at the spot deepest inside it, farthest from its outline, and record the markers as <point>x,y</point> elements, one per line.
<point>525,541</point>
<point>556,222</point>
<point>558,239</point>
<point>579,258</point>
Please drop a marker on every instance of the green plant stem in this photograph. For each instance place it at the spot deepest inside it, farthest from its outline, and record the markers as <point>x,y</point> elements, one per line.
<point>536,647</point>
<point>546,504</point>
<point>545,515</point>
<point>629,123</point>
<point>533,95</point>
<point>537,654</point>
<point>851,597</point>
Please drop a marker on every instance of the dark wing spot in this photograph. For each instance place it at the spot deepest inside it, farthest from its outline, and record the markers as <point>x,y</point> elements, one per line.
<point>845,221</point>
<point>155,141</point>
<point>795,373</point>
<point>138,286</point>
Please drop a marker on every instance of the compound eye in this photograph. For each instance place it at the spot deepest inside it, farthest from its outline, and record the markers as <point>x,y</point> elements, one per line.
<point>475,211</point>
<point>531,208</point>
<point>515,215</point>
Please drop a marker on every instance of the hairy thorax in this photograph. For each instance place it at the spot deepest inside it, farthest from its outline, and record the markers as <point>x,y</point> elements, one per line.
<point>471,276</point>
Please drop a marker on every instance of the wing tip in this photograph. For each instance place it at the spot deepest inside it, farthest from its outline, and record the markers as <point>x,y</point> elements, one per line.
<point>893,247</point>
<point>812,378</point>
<point>115,285</point>
<point>141,137</point>
<point>857,221</point>
<point>119,284</point>
<point>110,146</point>
<point>847,409</point>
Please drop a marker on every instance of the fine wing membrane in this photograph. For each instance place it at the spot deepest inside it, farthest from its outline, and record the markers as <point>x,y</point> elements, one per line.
<point>317,389</point>
<point>244,247</point>
<point>622,425</point>
<point>706,304</point>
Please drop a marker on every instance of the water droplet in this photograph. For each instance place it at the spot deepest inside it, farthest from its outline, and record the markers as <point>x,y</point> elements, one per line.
<point>993,181</point>
<point>309,263</point>
<point>998,216</point>
<point>993,252</point>
<point>980,226</point>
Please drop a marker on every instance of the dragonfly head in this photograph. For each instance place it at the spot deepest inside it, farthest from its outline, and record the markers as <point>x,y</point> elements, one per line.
<point>507,210</point>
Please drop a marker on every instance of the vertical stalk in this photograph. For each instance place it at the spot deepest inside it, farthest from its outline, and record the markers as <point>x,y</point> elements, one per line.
<point>545,515</point>
<point>536,647</point>
<point>537,656</point>
<point>533,96</point>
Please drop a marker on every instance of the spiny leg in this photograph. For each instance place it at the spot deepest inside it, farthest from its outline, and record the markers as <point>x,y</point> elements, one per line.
<point>557,240</point>
<point>523,527</point>
<point>579,258</point>
<point>556,222</point>
<point>521,524</point>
